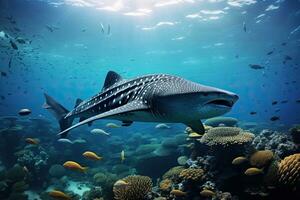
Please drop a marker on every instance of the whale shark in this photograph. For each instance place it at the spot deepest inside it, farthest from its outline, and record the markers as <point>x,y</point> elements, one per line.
<point>150,98</point>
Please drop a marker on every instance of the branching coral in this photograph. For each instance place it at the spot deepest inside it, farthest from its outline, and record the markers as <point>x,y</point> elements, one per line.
<point>289,171</point>
<point>226,136</point>
<point>192,174</point>
<point>136,188</point>
<point>261,158</point>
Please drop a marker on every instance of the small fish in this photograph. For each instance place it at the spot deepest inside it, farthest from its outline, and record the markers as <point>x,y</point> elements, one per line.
<point>108,29</point>
<point>244,27</point>
<point>274,102</point>
<point>253,171</point>
<point>56,194</point>
<point>283,44</point>
<point>253,113</point>
<point>65,140</point>
<point>270,52</point>
<point>99,131</point>
<point>112,125</point>
<point>74,166</point>
<point>20,40</point>
<point>288,57</point>
<point>91,155</point>
<point>256,66</point>
<point>284,101</point>
<point>275,118</point>
<point>239,160</point>
<point>13,45</point>
<point>162,126</point>
<point>24,112</point>
<point>4,74</point>
<point>207,193</point>
<point>298,101</point>
<point>9,62</point>
<point>178,193</point>
<point>102,28</point>
<point>32,141</point>
<point>25,169</point>
<point>49,28</point>
<point>122,156</point>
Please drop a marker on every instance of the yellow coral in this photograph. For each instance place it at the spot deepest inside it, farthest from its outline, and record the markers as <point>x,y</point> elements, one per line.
<point>165,185</point>
<point>226,136</point>
<point>136,189</point>
<point>193,174</point>
<point>173,173</point>
<point>261,158</point>
<point>289,171</point>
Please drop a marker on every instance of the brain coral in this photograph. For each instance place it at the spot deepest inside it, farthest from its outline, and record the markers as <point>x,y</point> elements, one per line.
<point>226,136</point>
<point>216,121</point>
<point>289,171</point>
<point>173,173</point>
<point>137,188</point>
<point>261,158</point>
<point>193,174</point>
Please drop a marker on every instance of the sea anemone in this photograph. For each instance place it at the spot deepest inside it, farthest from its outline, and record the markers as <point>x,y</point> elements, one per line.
<point>226,136</point>
<point>136,189</point>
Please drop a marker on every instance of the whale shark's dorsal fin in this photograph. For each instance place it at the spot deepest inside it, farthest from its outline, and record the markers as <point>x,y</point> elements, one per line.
<point>111,78</point>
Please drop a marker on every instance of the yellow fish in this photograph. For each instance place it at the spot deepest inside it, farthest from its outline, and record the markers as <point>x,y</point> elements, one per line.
<point>56,194</point>
<point>91,155</point>
<point>239,160</point>
<point>253,171</point>
<point>122,156</point>
<point>74,166</point>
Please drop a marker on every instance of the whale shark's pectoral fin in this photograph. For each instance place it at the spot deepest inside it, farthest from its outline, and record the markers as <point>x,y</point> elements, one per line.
<point>126,123</point>
<point>129,107</point>
<point>196,126</point>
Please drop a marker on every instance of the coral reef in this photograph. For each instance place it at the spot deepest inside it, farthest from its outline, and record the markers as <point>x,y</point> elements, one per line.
<point>192,174</point>
<point>279,143</point>
<point>57,171</point>
<point>136,189</point>
<point>261,158</point>
<point>13,184</point>
<point>221,121</point>
<point>226,136</point>
<point>173,173</point>
<point>289,171</point>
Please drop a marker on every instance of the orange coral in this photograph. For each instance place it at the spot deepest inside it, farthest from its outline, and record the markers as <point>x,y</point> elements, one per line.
<point>261,158</point>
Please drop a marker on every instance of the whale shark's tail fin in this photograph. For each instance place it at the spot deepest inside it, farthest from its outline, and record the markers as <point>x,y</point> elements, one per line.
<point>59,113</point>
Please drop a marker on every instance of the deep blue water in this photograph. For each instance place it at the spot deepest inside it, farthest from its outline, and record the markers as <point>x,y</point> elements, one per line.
<point>202,41</point>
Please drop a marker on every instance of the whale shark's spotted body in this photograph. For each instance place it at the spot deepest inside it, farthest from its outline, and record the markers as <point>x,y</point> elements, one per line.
<point>154,98</point>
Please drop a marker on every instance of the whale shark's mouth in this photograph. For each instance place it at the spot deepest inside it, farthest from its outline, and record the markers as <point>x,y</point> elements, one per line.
<point>221,102</point>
